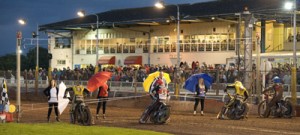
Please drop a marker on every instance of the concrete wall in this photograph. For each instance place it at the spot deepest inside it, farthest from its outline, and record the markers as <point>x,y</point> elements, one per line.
<point>59,53</point>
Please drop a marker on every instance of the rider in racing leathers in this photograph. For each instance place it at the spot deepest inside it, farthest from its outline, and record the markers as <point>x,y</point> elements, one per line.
<point>78,95</point>
<point>157,88</point>
<point>277,87</point>
<point>240,95</point>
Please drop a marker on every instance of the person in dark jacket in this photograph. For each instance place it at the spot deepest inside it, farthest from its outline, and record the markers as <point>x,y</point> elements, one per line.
<point>102,98</point>
<point>201,90</point>
<point>52,93</point>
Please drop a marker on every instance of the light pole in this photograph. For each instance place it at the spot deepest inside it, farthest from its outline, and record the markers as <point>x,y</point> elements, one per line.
<point>82,13</point>
<point>293,6</point>
<point>160,5</point>
<point>36,35</point>
<point>18,53</point>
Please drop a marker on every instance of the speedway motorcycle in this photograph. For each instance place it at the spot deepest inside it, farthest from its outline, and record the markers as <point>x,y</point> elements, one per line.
<point>237,110</point>
<point>283,108</point>
<point>81,114</point>
<point>158,111</point>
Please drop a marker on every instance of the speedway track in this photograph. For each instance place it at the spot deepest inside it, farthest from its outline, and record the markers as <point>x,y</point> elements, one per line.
<point>182,122</point>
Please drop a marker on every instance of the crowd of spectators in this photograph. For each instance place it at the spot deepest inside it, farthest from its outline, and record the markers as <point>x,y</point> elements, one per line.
<point>219,73</point>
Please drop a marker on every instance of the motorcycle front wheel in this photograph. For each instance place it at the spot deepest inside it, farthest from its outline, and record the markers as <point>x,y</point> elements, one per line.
<point>144,117</point>
<point>86,116</point>
<point>262,106</point>
<point>221,114</point>
<point>83,115</point>
<point>162,115</point>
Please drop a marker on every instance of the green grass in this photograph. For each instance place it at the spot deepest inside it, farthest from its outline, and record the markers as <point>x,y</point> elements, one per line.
<point>67,129</point>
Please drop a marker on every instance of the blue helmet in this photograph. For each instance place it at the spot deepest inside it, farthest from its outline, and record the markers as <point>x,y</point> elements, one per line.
<point>276,79</point>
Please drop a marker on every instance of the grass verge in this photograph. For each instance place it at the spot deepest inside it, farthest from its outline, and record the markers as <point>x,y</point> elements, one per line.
<point>67,129</point>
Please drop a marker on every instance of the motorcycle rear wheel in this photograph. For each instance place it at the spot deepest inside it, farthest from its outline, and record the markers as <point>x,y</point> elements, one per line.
<point>242,112</point>
<point>289,112</point>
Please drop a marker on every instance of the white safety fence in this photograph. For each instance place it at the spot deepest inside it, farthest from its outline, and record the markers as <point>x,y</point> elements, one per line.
<point>133,87</point>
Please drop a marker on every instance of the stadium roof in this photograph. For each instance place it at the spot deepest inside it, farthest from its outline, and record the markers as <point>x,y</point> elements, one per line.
<point>190,13</point>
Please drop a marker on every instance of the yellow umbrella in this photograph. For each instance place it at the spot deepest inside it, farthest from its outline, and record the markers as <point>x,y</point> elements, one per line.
<point>148,81</point>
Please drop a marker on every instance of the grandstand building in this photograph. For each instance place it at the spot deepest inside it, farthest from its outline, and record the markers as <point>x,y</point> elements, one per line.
<point>210,32</point>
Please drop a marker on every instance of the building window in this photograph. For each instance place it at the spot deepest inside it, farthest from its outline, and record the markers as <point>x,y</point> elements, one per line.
<point>209,46</point>
<point>61,62</point>
<point>224,45</point>
<point>187,46</point>
<point>132,48</point>
<point>119,48</point>
<point>167,48</point>
<point>125,48</point>
<point>94,49</point>
<point>146,48</point>
<point>181,46</point>
<point>231,44</point>
<point>162,44</point>
<point>160,48</point>
<point>154,48</point>
<point>201,47</point>
<point>106,49</point>
<point>62,42</point>
<point>88,47</point>
<point>216,46</point>
<point>113,48</point>
<point>194,46</point>
<point>173,47</point>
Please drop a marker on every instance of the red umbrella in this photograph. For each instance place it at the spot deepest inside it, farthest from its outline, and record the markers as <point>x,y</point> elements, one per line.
<point>98,80</point>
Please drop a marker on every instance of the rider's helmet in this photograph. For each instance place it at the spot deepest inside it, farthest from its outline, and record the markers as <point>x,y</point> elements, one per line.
<point>237,83</point>
<point>276,79</point>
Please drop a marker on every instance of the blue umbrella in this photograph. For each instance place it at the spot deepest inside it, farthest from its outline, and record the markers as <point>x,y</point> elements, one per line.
<point>192,81</point>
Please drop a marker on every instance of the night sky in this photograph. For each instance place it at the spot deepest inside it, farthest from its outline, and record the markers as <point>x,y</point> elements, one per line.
<point>39,12</point>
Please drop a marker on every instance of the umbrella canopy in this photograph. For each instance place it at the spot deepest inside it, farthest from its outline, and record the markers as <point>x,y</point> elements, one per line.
<point>192,81</point>
<point>62,102</point>
<point>148,81</point>
<point>98,80</point>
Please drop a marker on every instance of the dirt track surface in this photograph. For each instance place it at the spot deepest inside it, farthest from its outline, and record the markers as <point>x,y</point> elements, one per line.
<point>182,122</point>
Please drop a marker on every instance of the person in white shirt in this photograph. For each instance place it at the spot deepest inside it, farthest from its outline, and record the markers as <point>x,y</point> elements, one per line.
<point>52,93</point>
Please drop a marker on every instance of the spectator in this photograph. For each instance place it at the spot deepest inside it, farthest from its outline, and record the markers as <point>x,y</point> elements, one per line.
<point>298,36</point>
<point>287,78</point>
<point>102,98</point>
<point>52,93</point>
<point>201,90</point>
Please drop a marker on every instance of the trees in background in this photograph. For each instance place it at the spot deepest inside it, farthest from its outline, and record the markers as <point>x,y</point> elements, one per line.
<point>28,61</point>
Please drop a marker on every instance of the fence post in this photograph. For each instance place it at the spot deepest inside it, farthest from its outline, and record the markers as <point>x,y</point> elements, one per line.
<point>177,82</point>
<point>135,89</point>
<point>26,81</point>
<point>218,82</point>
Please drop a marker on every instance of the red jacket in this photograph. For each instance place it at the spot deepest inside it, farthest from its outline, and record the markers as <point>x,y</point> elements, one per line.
<point>103,91</point>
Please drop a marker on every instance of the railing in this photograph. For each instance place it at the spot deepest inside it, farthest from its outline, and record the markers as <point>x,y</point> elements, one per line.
<point>137,87</point>
<point>276,48</point>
